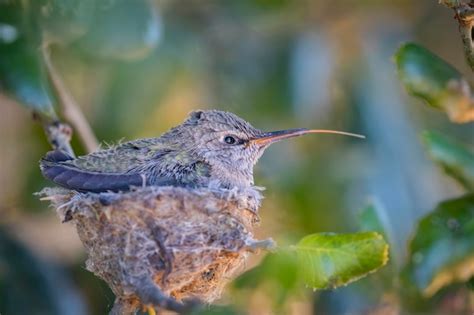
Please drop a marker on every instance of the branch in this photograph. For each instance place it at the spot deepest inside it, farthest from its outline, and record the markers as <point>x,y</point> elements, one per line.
<point>464,10</point>
<point>58,133</point>
<point>70,110</point>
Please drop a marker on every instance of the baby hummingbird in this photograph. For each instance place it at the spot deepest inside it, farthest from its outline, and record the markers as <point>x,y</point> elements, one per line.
<point>210,147</point>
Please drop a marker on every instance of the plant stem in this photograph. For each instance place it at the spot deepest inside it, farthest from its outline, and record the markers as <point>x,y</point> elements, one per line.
<point>465,15</point>
<point>70,111</point>
<point>58,133</point>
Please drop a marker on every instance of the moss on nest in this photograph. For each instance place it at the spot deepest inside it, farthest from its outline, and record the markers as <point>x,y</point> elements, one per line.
<point>153,243</point>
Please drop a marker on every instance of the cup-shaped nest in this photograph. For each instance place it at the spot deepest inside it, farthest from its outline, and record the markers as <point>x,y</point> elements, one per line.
<point>160,245</point>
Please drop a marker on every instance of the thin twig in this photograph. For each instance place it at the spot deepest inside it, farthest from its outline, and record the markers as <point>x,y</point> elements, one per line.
<point>465,16</point>
<point>460,108</point>
<point>58,133</point>
<point>464,10</point>
<point>70,110</point>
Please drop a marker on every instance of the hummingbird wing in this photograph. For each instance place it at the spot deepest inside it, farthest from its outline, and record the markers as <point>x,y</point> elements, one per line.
<point>111,169</point>
<point>118,159</point>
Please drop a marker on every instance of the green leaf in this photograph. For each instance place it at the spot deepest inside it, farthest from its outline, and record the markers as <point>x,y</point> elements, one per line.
<point>321,261</point>
<point>423,73</point>
<point>456,159</point>
<point>122,29</point>
<point>373,217</point>
<point>21,16</point>
<point>118,29</point>
<point>330,260</point>
<point>430,78</point>
<point>65,20</point>
<point>21,71</point>
<point>442,250</point>
<point>23,76</point>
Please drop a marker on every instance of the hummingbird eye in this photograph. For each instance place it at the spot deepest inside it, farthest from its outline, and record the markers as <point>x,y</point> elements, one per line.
<point>233,140</point>
<point>230,140</point>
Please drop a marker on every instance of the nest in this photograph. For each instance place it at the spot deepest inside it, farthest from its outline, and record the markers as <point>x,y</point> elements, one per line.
<point>162,245</point>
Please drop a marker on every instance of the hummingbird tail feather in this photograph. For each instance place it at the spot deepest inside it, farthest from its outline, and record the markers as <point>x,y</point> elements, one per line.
<point>57,156</point>
<point>76,179</point>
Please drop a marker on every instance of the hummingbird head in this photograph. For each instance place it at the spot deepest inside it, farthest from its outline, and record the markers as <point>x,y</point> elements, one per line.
<point>229,144</point>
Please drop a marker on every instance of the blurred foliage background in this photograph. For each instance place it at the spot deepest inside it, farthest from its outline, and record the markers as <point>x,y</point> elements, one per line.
<point>138,67</point>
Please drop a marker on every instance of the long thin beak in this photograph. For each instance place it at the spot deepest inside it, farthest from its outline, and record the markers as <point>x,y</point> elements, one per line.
<point>274,136</point>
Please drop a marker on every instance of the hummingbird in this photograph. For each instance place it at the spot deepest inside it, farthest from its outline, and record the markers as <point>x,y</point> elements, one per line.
<point>211,148</point>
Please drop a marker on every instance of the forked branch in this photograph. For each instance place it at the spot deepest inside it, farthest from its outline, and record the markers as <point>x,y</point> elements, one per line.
<point>69,109</point>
